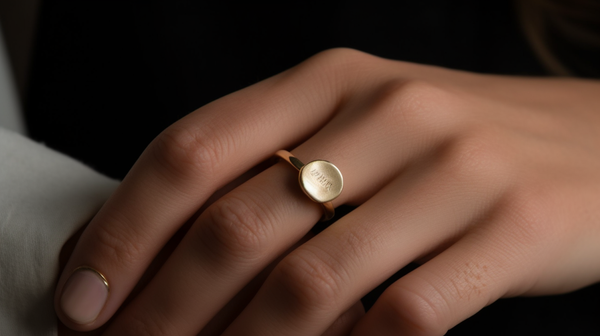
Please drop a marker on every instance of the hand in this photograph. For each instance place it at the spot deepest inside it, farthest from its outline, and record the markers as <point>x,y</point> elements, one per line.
<point>491,183</point>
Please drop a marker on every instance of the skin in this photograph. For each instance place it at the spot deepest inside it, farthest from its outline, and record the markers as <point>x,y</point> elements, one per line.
<point>491,183</point>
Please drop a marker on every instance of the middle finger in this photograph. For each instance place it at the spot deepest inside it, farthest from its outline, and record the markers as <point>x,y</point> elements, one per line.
<point>415,216</point>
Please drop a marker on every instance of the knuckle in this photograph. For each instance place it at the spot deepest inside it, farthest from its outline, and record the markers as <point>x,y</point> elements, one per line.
<point>308,282</point>
<point>340,58</point>
<point>335,66</point>
<point>359,242</point>
<point>412,312</point>
<point>239,227</point>
<point>530,221</point>
<point>415,105</point>
<point>477,155</point>
<point>117,244</point>
<point>189,152</point>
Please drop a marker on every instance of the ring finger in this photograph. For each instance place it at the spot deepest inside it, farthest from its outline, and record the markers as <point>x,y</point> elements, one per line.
<point>245,230</point>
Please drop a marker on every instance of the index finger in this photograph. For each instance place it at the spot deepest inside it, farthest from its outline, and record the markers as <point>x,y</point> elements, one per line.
<point>180,169</point>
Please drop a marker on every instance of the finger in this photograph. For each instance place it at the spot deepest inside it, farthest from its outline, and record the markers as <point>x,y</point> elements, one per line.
<point>343,325</point>
<point>180,170</point>
<point>234,307</point>
<point>245,230</point>
<point>233,240</point>
<point>410,218</point>
<point>483,266</point>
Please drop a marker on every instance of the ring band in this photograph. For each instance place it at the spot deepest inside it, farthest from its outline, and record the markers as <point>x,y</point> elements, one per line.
<point>93,270</point>
<point>320,180</point>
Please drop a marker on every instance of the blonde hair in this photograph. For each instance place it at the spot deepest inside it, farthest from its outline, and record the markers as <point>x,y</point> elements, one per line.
<point>565,34</point>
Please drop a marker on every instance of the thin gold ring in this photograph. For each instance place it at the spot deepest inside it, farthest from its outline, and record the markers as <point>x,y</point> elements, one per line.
<point>98,273</point>
<point>320,180</point>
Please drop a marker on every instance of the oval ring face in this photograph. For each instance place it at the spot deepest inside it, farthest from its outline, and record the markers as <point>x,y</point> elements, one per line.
<point>321,181</point>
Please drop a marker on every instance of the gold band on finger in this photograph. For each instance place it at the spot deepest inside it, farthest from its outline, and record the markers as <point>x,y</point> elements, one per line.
<point>93,270</point>
<point>320,180</point>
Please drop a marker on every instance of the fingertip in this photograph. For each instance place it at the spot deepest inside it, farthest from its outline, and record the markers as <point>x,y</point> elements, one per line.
<point>82,298</point>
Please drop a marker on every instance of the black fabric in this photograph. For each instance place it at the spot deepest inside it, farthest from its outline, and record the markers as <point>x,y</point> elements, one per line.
<point>108,76</point>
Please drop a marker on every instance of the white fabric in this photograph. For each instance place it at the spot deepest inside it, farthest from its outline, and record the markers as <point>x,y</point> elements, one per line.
<point>10,116</point>
<point>44,198</point>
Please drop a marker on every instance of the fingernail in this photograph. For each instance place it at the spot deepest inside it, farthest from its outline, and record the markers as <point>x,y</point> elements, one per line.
<point>84,295</point>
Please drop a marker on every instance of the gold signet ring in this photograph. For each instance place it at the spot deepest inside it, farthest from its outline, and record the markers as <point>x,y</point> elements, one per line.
<point>320,180</point>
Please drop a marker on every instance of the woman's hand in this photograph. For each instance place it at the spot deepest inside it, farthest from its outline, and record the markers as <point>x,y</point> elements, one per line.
<point>491,183</point>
